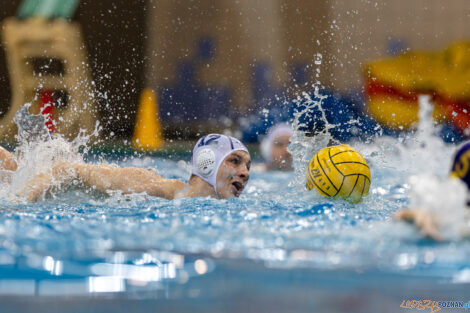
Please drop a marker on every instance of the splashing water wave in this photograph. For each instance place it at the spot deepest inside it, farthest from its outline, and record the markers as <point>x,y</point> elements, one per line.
<point>37,152</point>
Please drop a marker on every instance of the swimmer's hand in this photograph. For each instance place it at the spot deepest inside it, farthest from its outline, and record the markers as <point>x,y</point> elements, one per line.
<point>423,219</point>
<point>35,188</point>
<point>61,173</point>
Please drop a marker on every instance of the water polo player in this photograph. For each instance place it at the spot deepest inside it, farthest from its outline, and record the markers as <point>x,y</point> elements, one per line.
<point>274,147</point>
<point>424,218</point>
<point>220,169</point>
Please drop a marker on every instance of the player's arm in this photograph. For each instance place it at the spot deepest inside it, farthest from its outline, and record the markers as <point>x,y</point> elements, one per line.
<point>7,160</point>
<point>126,179</point>
<point>104,178</point>
<point>423,219</point>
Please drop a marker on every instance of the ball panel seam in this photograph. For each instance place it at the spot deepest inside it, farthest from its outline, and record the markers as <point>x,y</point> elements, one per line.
<point>357,179</point>
<point>331,160</point>
<point>341,152</point>
<point>355,162</point>
<point>363,187</point>
<point>318,159</point>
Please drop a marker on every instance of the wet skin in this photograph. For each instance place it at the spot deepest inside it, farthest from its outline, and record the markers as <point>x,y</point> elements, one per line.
<point>233,174</point>
<point>281,158</point>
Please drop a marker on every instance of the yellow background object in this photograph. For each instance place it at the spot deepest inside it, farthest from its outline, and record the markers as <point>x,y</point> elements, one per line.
<point>339,171</point>
<point>445,72</point>
<point>393,86</point>
<point>394,112</point>
<point>148,131</point>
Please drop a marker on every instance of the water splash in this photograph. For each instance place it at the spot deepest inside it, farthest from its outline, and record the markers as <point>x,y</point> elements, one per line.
<point>426,147</point>
<point>415,153</point>
<point>303,147</point>
<point>445,199</point>
<point>37,152</point>
<point>431,189</point>
<point>417,165</point>
<point>31,128</point>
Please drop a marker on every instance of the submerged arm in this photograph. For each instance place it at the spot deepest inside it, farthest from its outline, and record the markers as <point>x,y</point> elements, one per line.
<point>423,219</point>
<point>103,178</point>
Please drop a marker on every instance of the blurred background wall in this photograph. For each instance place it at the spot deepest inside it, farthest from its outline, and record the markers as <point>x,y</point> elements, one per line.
<point>210,58</point>
<point>212,62</point>
<point>366,30</point>
<point>114,33</point>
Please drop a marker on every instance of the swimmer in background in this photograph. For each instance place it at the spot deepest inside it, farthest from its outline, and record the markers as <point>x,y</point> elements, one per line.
<point>426,220</point>
<point>220,169</point>
<point>274,147</point>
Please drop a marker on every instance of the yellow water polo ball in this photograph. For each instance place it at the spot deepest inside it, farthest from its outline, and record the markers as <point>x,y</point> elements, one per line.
<point>339,171</point>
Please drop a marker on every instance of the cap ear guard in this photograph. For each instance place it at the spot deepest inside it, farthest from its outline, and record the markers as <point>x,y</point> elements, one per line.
<point>205,162</point>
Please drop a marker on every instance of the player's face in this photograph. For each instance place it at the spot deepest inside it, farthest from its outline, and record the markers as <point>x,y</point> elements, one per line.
<point>281,158</point>
<point>233,174</point>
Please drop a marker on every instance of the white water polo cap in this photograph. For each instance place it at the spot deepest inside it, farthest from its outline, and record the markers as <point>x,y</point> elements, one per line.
<point>208,154</point>
<point>275,131</point>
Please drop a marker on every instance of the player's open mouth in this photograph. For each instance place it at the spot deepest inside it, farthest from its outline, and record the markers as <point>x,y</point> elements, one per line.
<point>238,188</point>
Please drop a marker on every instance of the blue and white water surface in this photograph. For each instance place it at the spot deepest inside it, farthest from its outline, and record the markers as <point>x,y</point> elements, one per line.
<point>276,240</point>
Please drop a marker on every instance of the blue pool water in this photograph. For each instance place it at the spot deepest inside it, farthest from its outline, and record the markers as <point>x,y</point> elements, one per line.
<point>277,248</point>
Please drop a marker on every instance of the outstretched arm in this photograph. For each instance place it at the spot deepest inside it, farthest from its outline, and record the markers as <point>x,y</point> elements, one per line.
<point>127,179</point>
<point>105,178</point>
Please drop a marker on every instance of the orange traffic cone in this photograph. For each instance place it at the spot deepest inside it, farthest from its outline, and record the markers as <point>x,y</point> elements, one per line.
<point>148,130</point>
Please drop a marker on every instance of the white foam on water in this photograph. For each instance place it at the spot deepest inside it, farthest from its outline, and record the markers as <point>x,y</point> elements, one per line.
<point>412,153</point>
<point>445,199</point>
<point>37,152</point>
<point>432,189</point>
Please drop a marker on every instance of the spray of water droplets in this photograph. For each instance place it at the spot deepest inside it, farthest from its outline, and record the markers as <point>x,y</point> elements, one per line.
<point>38,152</point>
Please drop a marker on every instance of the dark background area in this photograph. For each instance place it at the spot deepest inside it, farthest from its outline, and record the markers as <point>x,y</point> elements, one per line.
<point>260,53</point>
<point>114,33</point>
